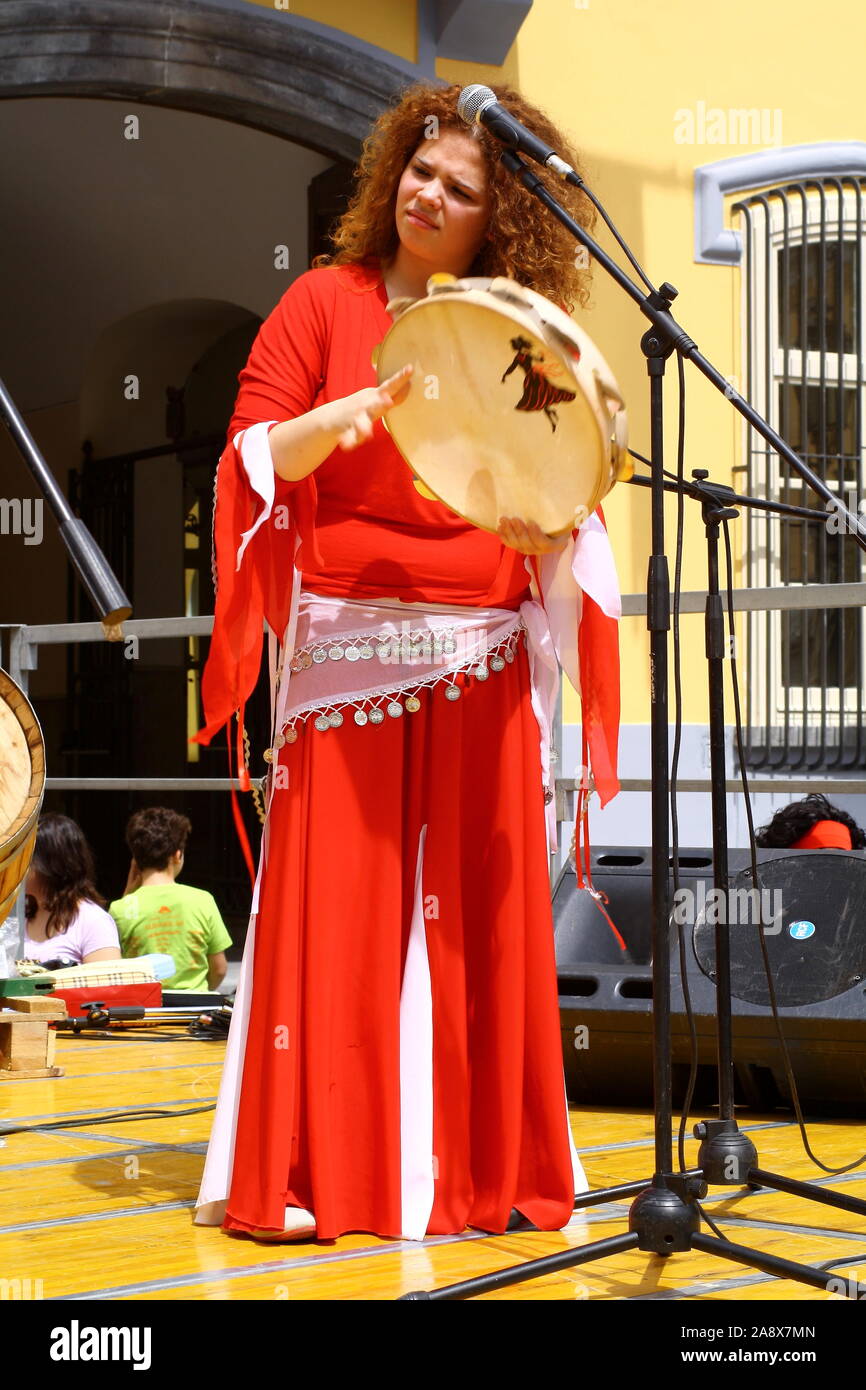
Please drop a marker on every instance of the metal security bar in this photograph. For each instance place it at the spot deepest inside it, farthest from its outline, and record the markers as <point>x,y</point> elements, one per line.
<point>19,655</point>
<point>23,657</point>
<point>804,365</point>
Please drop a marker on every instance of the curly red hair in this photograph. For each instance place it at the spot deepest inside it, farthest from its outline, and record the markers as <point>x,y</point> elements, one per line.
<point>526,243</point>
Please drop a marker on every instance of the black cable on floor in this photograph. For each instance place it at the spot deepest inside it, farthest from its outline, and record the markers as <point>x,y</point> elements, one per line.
<point>118,1115</point>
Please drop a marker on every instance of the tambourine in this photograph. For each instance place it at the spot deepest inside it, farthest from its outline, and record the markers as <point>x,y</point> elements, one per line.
<point>511,410</point>
<point>22,785</point>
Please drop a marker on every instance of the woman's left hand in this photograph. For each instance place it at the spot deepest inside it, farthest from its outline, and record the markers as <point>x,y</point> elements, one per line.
<point>528,537</point>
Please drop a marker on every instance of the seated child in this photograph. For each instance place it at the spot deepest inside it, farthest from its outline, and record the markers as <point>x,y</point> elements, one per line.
<point>157,914</point>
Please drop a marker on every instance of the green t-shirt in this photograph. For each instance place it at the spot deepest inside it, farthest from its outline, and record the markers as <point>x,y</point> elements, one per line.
<point>176,920</point>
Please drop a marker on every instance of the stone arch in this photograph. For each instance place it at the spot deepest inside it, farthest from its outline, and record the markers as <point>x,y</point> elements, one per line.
<point>225,58</point>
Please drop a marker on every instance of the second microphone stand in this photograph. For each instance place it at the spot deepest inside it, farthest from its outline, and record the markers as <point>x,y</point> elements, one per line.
<point>665,1217</point>
<point>727,1156</point>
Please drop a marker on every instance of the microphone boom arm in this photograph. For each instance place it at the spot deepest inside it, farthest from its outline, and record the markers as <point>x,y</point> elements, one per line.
<point>94,571</point>
<point>656,307</point>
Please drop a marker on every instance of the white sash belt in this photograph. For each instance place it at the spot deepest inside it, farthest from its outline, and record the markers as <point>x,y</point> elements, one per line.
<point>370,661</point>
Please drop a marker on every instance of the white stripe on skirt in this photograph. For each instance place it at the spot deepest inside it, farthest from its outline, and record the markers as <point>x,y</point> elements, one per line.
<point>416,1072</point>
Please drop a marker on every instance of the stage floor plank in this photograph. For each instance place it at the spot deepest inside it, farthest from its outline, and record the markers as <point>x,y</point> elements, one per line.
<point>104,1211</point>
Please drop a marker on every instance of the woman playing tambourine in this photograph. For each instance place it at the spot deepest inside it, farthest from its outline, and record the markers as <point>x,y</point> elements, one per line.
<point>394,1064</point>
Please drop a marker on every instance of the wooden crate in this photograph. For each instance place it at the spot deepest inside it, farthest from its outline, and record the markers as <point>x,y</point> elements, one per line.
<point>26,1044</point>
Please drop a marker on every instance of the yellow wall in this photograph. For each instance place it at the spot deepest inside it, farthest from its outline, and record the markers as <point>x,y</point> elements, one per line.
<point>615,76</point>
<point>389,23</point>
<point>594,70</point>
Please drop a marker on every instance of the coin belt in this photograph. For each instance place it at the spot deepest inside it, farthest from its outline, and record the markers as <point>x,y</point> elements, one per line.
<point>391,703</point>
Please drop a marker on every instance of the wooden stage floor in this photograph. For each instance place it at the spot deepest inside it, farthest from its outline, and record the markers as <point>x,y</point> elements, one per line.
<point>103,1211</point>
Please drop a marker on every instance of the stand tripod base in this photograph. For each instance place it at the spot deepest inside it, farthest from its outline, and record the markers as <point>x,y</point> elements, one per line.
<point>664,1217</point>
<point>726,1156</point>
<point>664,1220</point>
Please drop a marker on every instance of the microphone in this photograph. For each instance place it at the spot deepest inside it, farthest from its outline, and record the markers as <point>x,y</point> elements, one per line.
<point>478,103</point>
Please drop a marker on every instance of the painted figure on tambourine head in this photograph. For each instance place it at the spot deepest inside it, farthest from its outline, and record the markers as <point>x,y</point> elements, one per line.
<point>538,392</point>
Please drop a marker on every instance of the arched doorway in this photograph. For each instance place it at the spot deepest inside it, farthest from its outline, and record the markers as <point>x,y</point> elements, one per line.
<point>296,101</point>
<point>131,708</point>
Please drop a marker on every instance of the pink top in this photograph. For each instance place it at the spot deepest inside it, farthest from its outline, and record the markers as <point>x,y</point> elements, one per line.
<point>90,930</point>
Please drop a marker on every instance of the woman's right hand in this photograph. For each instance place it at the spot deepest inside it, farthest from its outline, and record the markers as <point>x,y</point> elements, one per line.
<point>299,445</point>
<point>353,417</point>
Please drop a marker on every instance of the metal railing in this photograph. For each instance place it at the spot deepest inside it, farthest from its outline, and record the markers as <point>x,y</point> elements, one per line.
<point>750,601</point>
<point>24,643</point>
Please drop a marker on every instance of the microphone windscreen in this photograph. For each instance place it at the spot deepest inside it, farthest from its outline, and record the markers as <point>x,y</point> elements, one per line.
<point>472,99</point>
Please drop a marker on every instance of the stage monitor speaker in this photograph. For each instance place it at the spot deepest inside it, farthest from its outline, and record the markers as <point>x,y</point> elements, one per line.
<point>624,876</point>
<point>810,906</point>
<point>606,994</point>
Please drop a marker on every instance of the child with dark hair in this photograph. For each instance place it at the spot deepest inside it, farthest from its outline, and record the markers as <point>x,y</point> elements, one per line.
<point>812,823</point>
<point>157,914</point>
<point>66,917</point>
<point>408,1021</point>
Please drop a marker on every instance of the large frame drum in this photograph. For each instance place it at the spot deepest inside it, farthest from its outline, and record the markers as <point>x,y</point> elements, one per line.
<point>22,786</point>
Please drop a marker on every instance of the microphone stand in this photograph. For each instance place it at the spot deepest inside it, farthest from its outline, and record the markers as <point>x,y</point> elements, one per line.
<point>665,1217</point>
<point>93,569</point>
<point>101,584</point>
<point>727,1156</point>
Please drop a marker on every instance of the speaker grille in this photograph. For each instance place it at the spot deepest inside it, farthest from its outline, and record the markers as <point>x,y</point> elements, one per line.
<point>813,907</point>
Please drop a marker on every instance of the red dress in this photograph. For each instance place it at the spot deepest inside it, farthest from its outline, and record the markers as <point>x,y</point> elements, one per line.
<point>398,1067</point>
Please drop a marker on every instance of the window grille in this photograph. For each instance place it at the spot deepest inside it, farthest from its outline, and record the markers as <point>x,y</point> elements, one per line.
<point>804,364</point>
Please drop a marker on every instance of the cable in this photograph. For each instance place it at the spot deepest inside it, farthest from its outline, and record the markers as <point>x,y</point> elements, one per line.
<point>623,244</point>
<point>789,1073</point>
<point>681,950</point>
<point>826,1265</point>
<point>711,1223</point>
<point>755,875</point>
<point>675,757</point>
<point>122,1115</point>
<point>679,478</point>
<point>672,477</point>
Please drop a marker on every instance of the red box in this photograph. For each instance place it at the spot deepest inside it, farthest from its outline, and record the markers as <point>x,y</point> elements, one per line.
<point>148,994</point>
